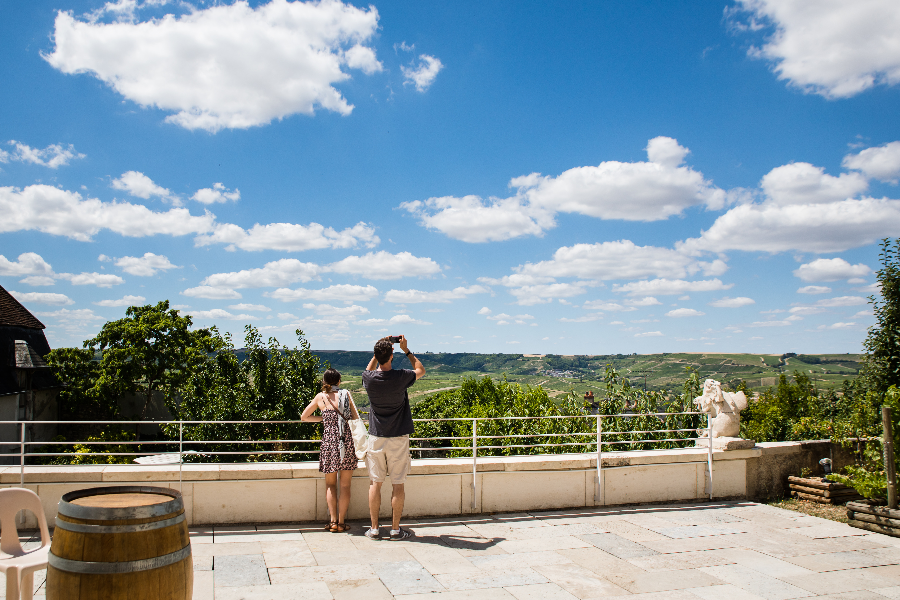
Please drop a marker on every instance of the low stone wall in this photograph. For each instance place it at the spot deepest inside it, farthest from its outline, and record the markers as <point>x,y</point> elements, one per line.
<point>293,492</point>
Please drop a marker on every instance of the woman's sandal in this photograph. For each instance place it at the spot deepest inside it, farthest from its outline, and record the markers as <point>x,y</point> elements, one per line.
<point>339,528</point>
<point>331,526</point>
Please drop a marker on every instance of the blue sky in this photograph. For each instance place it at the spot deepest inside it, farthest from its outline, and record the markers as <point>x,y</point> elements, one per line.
<point>482,177</point>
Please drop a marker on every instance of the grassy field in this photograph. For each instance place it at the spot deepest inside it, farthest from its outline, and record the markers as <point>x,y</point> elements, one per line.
<point>560,375</point>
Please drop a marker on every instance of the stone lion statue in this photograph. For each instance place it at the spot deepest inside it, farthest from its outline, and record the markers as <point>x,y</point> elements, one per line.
<point>724,408</point>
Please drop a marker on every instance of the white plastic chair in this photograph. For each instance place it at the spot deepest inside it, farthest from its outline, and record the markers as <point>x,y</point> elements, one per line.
<point>18,564</point>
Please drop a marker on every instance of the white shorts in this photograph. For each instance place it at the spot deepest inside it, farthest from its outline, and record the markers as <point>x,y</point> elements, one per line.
<point>388,455</point>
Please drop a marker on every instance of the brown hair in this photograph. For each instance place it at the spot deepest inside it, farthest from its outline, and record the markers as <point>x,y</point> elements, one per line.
<point>384,350</point>
<point>330,380</point>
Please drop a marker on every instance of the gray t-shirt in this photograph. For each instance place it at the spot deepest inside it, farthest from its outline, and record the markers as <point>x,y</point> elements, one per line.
<point>390,415</point>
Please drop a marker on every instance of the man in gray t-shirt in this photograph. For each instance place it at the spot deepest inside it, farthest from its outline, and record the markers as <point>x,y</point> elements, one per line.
<point>390,423</point>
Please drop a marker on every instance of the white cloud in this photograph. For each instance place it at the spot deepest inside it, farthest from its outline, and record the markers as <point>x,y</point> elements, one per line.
<point>685,312</point>
<point>140,186</point>
<point>470,219</point>
<point>384,265</point>
<point>53,156</point>
<point>607,306</point>
<point>863,313</point>
<point>803,183</point>
<point>229,65</point>
<point>289,237</point>
<point>838,326</point>
<point>103,280</point>
<point>123,301</point>
<point>277,273</point>
<point>28,263</point>
<point>882,163</point>
<point>584,319</point>
<point>51,210</point>
<point>345,292</point>
<point>485,311</point>
<point>42,298</point>
<point>37,280</point>
<point>423,74</point>
<point>806,310</point>
<point>77,317</point>
<point>529,295</point>
<point>250,307</point>
<point>144,266</point>
<point>211,293</point>
<point>346,312</point>
<point>647,301</point>
<point>836,49</point>
<point>842,301</point>
<point>639,191</point>
<point>439,296</point>
<point>784,323</point>
<point>814,289</point>
<point>732,302</point>
<point>670,287</point>
<point>406,320</point>
<point>874,288</point>
<point>831,269</point>
<point>218,313</point>
<point>649,334</point>
<point>831,227</point>
<point>621,259</point>
<point>217,193</point>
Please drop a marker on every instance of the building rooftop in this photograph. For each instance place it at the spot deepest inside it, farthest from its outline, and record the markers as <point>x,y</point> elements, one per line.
<point>13,314</point>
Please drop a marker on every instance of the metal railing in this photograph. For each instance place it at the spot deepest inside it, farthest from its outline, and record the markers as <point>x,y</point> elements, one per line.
<point>421,445</point>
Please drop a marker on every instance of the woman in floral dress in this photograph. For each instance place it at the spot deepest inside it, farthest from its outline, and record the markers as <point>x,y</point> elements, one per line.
<point>336,451</point>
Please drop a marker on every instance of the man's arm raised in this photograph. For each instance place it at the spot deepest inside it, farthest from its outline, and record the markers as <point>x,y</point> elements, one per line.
<point>417,365</point>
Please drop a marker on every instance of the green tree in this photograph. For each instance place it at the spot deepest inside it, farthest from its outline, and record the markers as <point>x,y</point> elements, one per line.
<point>272,383</point>
<point>152,349</point>
<point>881,368</point>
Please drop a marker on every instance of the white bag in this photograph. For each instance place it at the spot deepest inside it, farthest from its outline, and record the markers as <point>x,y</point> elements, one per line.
<point>357,427</point>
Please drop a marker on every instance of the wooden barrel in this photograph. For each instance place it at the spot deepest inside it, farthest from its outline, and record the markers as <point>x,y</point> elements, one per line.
<point>121,542</point>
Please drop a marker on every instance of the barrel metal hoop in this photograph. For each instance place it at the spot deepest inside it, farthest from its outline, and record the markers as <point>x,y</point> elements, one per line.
<point>111,568</point>
<point>85,528</point>
<point>66,508</point>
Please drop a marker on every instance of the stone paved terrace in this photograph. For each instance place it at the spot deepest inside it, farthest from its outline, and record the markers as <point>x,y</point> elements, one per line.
<point>725,550</point>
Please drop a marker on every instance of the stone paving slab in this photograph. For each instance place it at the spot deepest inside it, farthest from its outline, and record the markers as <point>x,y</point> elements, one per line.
<point>660,581</point>
<point>720,592</point>
<point>756,582</point>
<point>359,589</point>
<point>240,570</point>
<point>579,581</point>
<point>481,594</point>
<point>407,577</point>
<point>542,591</point>
<point>315,590</point>
<point>522,559</point>
<point>490,579</point>
<point>617,546</point>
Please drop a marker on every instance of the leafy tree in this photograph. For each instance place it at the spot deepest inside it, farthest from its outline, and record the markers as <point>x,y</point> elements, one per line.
<point>881,368</point>
<point>152,349</point>
<point>272,383</point>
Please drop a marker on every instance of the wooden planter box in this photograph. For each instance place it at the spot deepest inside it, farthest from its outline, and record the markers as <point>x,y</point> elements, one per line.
<point>819,490</point>
<point>879,519</point>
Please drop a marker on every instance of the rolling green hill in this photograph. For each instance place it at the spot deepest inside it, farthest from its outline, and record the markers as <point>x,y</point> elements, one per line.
<point>561,374</point>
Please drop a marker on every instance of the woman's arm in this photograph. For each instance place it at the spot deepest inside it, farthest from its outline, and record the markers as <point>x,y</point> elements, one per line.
<point>307,416</point>
<point>353,412</point>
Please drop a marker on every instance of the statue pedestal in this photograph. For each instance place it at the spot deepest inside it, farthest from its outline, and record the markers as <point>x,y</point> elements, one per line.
<point>726,443</point>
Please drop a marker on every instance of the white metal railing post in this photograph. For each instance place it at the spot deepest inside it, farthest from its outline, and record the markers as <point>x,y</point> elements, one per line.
<point>22,455</point>
<point>709,455</point>
<point>180,455</point>
<point>600,499</point>
<point>474,464</point>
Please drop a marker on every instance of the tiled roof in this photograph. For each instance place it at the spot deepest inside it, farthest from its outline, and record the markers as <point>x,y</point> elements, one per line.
<point>14,314</point>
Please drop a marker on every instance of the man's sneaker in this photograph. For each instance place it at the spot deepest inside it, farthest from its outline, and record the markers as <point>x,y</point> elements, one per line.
<point>373,534</point>
<point>401,534</point>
